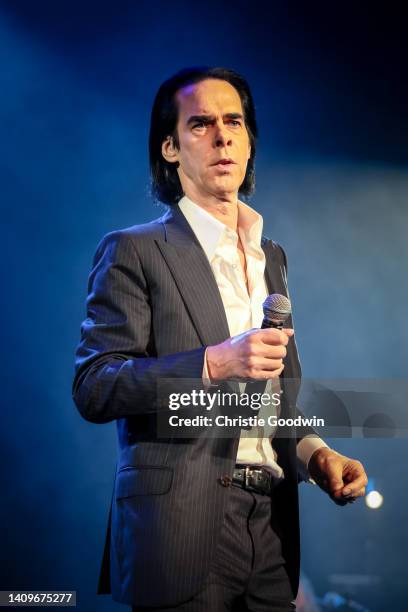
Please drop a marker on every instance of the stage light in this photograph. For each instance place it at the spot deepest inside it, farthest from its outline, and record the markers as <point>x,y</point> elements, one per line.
<point>374,500</point>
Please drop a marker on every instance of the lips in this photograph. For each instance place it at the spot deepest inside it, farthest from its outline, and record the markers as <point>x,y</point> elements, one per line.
<point>224,162</point>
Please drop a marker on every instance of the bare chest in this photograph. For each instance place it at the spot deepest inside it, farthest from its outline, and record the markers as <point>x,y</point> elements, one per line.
<point>242,261</point>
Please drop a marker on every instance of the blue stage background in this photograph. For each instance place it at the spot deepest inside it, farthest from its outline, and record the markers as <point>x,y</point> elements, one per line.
<point>77,84</point>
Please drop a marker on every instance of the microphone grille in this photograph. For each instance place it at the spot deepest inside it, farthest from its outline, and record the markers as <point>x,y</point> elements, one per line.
<point>277,308</point>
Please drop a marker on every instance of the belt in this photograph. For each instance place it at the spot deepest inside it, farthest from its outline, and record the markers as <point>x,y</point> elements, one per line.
<point>254,479</point>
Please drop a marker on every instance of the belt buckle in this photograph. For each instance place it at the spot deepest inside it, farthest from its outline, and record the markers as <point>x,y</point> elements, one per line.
<point>249,482</point>
<point>262,482</point>
<point>246,479</point>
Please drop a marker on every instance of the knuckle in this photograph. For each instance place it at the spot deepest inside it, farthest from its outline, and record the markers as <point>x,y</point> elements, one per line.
<point>251,361</point>
<point>252,372</point>
<point>277,372</point>
<point>249,343</point>
<point>250,350</point>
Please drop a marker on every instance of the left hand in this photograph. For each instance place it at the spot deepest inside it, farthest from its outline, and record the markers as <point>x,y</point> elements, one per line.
<point>344,479</point>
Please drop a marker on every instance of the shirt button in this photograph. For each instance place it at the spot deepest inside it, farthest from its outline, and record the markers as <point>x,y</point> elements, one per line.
<point>226,481</point>
<point>234,266</point>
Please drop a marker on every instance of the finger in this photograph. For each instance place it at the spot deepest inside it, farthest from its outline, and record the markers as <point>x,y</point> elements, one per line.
<point>271,351</point>
<point>353,498</point>
<point>358,493</point>
<point>265,374</point>
<point>274,336</point>
<point>355,479</point>
<point>334,476</point>
<point>263,364</point>
<point>277,373</point>
<point>354,488</point>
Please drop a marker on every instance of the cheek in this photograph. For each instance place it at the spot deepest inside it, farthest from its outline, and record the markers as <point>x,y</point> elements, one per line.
<point>196,156</point>
<point>189,161</point>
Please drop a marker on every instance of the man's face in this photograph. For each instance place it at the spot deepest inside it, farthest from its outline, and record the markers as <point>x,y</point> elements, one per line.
<point>213,140</point>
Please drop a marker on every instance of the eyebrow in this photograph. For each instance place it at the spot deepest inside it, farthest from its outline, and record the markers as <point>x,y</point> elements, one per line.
<point>210,118</point>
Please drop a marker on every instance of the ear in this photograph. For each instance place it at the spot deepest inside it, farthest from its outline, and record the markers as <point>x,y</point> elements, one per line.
<point>169,151</point>
<point>249,152</point>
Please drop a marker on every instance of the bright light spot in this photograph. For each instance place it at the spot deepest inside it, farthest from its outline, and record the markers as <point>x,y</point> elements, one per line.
<point>374,500</point>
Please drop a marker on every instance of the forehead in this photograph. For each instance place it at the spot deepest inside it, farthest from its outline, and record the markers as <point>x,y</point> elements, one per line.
<point>208,97</point>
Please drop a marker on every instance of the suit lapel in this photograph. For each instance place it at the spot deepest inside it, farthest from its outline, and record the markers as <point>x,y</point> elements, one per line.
<point>275,274</point>
<point>194,278</point>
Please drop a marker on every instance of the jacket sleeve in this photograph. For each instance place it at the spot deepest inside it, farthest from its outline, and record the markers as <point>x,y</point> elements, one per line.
<point>116,370</point>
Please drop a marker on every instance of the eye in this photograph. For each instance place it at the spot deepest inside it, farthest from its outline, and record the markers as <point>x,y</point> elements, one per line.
<point>234,122</point>
<point>200,124</point>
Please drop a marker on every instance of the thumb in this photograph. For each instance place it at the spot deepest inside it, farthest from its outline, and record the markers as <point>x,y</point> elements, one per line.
<point>334,477</point>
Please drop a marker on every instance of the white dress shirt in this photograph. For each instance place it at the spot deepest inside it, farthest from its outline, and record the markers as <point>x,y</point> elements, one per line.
<point>243,309</point>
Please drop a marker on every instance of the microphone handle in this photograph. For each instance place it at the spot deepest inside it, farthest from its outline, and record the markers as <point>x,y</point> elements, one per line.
<point>268,323</point>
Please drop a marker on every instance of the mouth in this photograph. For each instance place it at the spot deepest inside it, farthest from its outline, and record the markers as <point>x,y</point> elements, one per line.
<point>224,162</point>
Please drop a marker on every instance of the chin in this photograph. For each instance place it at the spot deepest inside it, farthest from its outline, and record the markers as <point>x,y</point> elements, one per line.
<point>227,184</point>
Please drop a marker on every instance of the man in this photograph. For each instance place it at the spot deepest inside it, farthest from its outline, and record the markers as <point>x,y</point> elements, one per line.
<point>206,523</point>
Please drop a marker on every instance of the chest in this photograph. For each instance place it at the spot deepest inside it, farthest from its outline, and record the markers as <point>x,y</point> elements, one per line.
<point>242,261</point>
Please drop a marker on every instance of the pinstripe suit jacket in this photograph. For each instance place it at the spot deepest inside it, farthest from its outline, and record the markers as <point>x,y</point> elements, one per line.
<point>153,307</point>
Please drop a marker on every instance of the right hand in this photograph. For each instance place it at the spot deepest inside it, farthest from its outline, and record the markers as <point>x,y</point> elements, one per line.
<point>256,354</point>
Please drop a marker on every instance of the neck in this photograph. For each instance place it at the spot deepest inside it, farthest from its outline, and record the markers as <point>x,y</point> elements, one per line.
<point>224,208</point>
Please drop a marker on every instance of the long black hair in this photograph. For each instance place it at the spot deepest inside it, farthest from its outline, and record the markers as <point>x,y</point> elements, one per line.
<point>166,186</point>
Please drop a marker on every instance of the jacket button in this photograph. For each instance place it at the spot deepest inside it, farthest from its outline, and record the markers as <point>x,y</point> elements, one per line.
<point>226,481</point>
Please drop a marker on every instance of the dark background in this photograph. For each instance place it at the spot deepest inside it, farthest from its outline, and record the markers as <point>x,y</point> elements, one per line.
<point>77,82</point>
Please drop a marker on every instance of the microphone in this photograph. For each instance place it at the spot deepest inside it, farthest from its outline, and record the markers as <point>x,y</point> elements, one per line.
<point>277,309</point>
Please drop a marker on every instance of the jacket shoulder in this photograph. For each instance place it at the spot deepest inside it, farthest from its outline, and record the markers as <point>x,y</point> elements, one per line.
<point>144,231</point>
<point>136,235</point>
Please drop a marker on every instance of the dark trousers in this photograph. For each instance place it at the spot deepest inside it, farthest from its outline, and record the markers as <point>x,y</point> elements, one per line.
<point>248,571</point>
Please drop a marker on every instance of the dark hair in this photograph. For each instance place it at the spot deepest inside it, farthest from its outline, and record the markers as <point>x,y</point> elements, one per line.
<point>166,185</point>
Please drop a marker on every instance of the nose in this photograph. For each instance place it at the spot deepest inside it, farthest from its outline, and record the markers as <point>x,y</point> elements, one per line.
<point>221,137</point>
